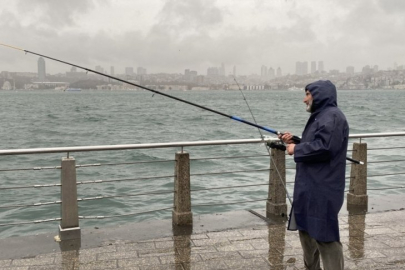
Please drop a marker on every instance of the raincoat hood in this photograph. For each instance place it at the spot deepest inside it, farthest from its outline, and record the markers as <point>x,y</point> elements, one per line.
<point>323,94</point>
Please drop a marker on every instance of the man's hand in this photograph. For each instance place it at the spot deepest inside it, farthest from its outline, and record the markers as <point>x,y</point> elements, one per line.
<point>286,137</point>
<point>290,149</point>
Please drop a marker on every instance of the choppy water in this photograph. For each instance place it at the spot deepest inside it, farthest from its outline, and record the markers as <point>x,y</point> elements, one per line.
<point>32,119</point>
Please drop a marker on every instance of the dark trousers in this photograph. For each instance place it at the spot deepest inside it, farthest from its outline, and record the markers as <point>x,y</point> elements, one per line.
<point>330,252</point>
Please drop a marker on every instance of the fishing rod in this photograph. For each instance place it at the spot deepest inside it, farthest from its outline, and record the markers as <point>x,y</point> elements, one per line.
<point>296,139</point>
<point>155,91</point>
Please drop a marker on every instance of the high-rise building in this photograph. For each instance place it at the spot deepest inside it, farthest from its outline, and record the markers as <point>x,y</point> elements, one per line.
<point>141,71</point>
<point>279,72</point>
<point>313,67</point>
<point>190,75</point>
<point>350,70</point>
<point>375,68</point>
<point>321,67</point>
<point>129,71</point>
<point>112,72</point>
<point>298,68</point>
<point>366,69</point>
<point>234,71</point>
<point>263,72</point>
<point>271,73</point>
<point>222,70</point>
<point>41,70</point>
<point>301,68</point>
<point>193,76</point>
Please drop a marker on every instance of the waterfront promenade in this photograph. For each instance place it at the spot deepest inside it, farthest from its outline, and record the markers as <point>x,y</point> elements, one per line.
<point>243,239</point>
<point>235,240</point>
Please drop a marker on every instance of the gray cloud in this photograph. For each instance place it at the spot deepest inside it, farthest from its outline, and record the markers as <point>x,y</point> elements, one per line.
<point>197,34</point>
<point>55,14</point>
<point>392,6</point>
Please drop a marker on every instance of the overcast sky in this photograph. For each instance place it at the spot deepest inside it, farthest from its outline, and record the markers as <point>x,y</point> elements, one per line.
<point>173,35</point>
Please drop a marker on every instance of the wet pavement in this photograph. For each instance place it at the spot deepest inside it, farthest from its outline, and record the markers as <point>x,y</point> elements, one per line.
<point>236,240</point>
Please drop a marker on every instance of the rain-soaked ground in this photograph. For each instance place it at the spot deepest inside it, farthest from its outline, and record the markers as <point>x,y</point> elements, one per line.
<point>237,240</point>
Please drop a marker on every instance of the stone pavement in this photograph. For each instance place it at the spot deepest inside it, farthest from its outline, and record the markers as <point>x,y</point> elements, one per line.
<point>370,241</point>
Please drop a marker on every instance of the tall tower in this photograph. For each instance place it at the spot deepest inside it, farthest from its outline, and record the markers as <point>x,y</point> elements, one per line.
<point>279,72</point>
<point>298,69</point>
<point>263,72</point>
<point>41,70</point>
<point>271,73</point>
<point>321,68</point>
<point>313,67</point>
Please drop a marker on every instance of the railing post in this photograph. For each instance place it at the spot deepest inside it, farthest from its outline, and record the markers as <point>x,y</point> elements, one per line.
<point>276,201</point>
<point>69,225</point>
<point>182,214</point>
<point>357,194</point>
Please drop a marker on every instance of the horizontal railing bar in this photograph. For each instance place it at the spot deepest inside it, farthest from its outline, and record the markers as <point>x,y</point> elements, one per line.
<point>383,161</point>
<point>127,146</point>
<point>31,222</point>
<point>124,195</point>
<point>385,174</point>
<point>226,172</point>
<point>31,169</point>
<point>228,187</point>
<point>386,148</point>
<point>164,145</point>
<point>240,202</point>
<point>123,179</point>
<point>375,135</point>
<point>32,186</point>
<point>382,188</point>
<point>123,163</point>
<point>228,157</point>
<point>123,215</point>
<point>386,188</point>
<point>30,205</point>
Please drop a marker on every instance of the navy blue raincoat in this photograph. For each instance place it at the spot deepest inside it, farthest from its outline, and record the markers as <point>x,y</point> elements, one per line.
<point>321,162</point>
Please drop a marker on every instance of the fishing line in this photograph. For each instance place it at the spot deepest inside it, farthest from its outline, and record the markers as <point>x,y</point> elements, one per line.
<point>265,144</point>
<point>236,118</point>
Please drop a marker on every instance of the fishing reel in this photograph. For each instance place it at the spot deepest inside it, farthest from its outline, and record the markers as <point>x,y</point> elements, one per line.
<point>277,145</point>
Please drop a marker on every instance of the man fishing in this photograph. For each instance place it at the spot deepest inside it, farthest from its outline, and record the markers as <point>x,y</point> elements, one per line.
<point>320,159</point>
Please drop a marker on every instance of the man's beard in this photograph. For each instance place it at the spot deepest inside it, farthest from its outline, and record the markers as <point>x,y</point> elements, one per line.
<point>309,107</point>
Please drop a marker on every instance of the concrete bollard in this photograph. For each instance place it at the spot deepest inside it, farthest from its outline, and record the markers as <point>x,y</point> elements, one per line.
<point>276,201</point>
<point>357,194</point>
<point>69,226</point>
<point>182,214</point>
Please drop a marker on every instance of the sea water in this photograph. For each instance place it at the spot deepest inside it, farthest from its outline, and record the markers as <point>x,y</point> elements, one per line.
<point>49,118</point>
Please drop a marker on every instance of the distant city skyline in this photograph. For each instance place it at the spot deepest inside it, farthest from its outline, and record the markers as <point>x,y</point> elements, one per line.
<point>369,77</point>
<point>301,68</point>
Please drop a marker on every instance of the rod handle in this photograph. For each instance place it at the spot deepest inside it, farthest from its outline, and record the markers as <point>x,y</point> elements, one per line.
<point>296,139</point>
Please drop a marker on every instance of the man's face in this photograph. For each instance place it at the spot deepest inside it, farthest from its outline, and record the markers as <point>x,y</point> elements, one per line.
<point>308,100</point>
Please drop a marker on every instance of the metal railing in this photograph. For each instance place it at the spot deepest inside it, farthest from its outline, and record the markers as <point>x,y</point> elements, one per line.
<point>182,214</point>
